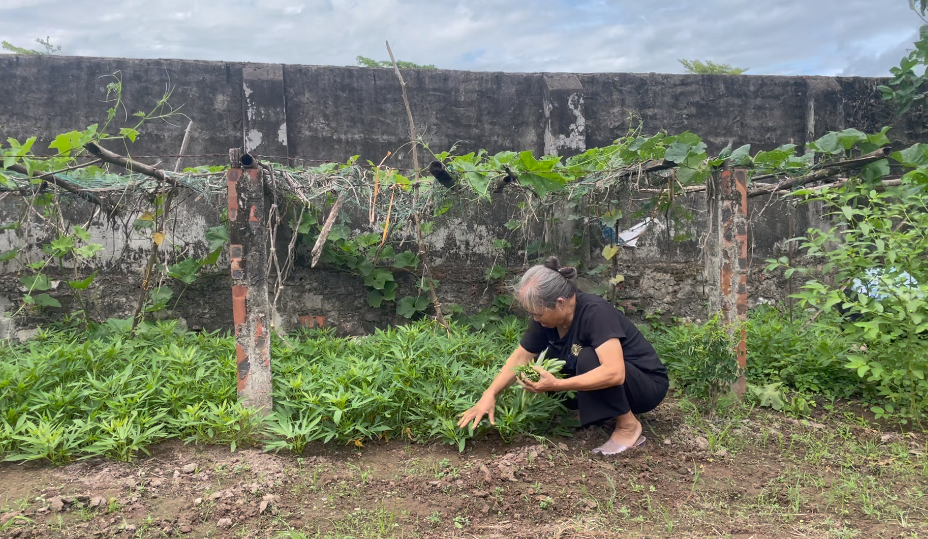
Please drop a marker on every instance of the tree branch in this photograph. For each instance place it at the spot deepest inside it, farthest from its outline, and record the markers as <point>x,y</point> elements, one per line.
<point>129,164</point>
<point>828,171</point>
<point>415,164</point>
<point>50,177</point>
<point>326,228</point>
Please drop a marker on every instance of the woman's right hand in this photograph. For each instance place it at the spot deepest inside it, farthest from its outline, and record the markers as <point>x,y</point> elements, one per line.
<point>485,406</point>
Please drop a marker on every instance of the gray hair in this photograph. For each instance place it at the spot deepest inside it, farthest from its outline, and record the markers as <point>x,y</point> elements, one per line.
<point>542,285</point>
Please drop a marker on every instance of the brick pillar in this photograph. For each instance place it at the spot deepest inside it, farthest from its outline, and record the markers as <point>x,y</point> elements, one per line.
<point>250,306</point>
<point>727,254</point>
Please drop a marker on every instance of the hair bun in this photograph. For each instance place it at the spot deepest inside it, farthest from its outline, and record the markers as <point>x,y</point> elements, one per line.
<point>568,272</point>
<point>552,263</point>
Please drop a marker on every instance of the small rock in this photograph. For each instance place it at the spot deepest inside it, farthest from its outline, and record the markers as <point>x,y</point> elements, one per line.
<point>97,501</point>
<point>176,474</point>
<point>701,443</point>
<point>216,495</point>
<point>130,528</point>
<point>562,446</point>
<point>156,482</point>
<point>197,501</point>
<point>56,504</point>
<point>268,500</point>
<point>481,493</point>
<point>667,441</point>
<point>487,477</point>
<point>889,437</point>
<point>721,453</point>
<point>190,468</point>
<point>224,523</point>
<point>185,529</point>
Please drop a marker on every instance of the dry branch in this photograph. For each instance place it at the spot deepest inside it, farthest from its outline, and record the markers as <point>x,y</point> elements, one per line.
<point>326,228</point>
<point>183,147</point>
<point>830,170</point>
<point>50,177</point>
<point>129,164</point>
<point>878,187</point>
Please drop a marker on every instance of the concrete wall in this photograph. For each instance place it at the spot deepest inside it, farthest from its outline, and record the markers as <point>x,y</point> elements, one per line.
<point>331,113</point>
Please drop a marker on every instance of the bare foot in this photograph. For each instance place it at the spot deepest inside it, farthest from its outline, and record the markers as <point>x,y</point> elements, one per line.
<point>627,435</point>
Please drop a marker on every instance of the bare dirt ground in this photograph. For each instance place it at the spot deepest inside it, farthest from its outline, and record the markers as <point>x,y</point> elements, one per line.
<point>749,474</point>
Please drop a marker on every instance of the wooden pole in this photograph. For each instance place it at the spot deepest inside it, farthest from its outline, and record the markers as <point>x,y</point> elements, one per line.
<point>250,306</point>
<point>420,238</point>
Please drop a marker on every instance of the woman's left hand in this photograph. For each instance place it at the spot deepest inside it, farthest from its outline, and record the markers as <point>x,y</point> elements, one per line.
<point>546,382</point>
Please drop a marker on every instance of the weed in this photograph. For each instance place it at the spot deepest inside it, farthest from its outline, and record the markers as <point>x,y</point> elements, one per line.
<point>435,518</point>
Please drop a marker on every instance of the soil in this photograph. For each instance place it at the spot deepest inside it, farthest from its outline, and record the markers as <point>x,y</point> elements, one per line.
<point>763,480</point>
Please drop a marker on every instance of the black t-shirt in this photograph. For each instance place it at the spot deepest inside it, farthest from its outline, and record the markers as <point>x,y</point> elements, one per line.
<point>595,322</point>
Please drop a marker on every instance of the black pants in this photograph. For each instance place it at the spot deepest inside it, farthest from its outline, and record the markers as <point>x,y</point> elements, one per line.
<point>640,393</point>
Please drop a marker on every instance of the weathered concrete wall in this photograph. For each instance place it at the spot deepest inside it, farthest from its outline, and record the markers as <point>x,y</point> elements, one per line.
<point>332,113</point>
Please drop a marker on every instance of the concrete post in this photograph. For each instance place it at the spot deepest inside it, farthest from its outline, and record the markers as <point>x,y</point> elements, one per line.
<point>727,255</point>
<point>250,306</point>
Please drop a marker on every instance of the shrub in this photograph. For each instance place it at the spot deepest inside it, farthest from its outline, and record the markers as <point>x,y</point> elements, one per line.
<point>700,359</point>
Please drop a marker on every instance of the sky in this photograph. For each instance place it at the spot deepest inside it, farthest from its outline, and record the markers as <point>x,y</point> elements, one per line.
<point>787,37</point>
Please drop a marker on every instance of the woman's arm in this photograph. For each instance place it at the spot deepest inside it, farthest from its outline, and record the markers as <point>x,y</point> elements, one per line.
<point>506,377</point>
<point>610,373</point>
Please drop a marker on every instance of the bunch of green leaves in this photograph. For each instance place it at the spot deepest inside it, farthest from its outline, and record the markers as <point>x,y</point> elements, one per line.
<point>907,88</point>
<point>550,365</point>
<point>700,359</point>
<point>526,409</point>
<point>72,248</point>
<point>292,431</point>
<point>697,67</point>
<point>367,256</point>
<point>225,423</point>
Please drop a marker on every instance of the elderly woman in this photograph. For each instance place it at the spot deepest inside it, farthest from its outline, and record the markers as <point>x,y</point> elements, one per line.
<point>612,367</point>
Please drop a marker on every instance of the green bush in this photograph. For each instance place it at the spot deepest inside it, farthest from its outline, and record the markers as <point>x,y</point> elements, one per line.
<point>878,240</point>
<point>809,360</point>
<point>700,359</point>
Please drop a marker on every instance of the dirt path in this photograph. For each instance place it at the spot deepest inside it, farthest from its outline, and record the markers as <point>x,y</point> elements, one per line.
<point>757,475</point>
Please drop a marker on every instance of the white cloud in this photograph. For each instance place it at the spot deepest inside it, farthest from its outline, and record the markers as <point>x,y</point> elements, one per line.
<point>792,37</point>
